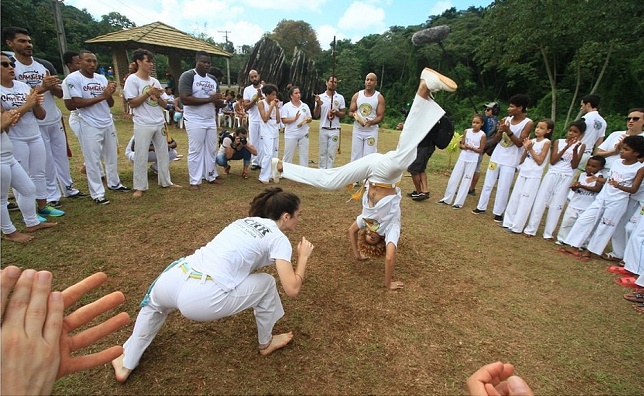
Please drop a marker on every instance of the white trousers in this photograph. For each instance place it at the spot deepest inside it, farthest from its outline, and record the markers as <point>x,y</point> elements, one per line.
<point>379,168</point>
<point>634,251</point>
<point>31,155</point>
<point>254,130</point>
<point>570,216</point>
<point>505,176</point>
<point>363,143</point>
<point>267,150</point>
<point>57,174</point>
<point>329,139</point>
<point>202,300</point>
<point>202,147</point>
<point>13,175</point>
<point>302,146</point>
<point>143,135</point>
<point>552,193</point>
<point>97,143</point>
<point>624,228</point>
<point>523,195</point>
<point>460,178</point>
<point>605,215</point>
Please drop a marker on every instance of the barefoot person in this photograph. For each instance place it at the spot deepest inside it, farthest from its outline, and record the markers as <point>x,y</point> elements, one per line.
<point>381,202</point>
<point>218,280</point>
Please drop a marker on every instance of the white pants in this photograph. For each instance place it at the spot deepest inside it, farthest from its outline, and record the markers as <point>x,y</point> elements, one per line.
<point>202,147</point>
<point>567,222</point>
<point>460,178</point>
<point>523,196</point>
<point>99,142</point>
<point>505,175</point>
<point>302,145</point>
<point>268,149</point>
<point>552,193</point>
<point>328,146</point>
<point>143,135</point>
<point>634,251</point>
<point>202,300</point>
<point>57,169</point>
<point>379,168</point>
<point>624,228</point>
<point>31,154</point>
<point>13,175</point>
<point>605,215</point>
<point>363,143</point>
<point>254,128</point>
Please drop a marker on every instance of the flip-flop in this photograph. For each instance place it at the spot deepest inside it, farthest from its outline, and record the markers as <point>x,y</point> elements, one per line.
<point>616,269</point>
<point>583,258</point>
<point>634,297</point>
<point>639,308</point>
<point>627,281</point>
<point>565,251</point>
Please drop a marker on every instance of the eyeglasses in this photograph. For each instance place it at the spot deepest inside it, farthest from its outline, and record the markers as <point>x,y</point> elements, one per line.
<point>627,118</point>
<point>7,64</point>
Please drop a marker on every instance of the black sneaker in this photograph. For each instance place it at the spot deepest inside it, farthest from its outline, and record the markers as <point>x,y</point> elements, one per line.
<point>421,197</point>
<point>478,211</point>
<point>55,204</point>
<point>101,201</point>
<point>472,192</point>
<point>498,218</point>
<point>255,167</point>
<point>12,207</point>
<point>120,188</point>
<point>441,202</point>
<point>413,194</point>
<point>78,195</point>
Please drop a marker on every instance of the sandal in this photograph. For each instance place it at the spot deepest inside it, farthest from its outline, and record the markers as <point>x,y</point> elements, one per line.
<point>628,281</point>
<point>564,250</point>
<point>639,308</point>
<point>619,270</point>
<point>584,258</point>
<point>245,175</point>
<point>634,297</point>
<point>610,257</point>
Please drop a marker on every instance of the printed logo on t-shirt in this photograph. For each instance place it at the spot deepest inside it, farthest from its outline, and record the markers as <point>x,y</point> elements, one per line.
<point>16,99</point>
<point>31,77</point>
<point>505,141</point>
<point>254,228</point>
<point>372,225</point>
<point>95,89</point>
<point>597,125</point>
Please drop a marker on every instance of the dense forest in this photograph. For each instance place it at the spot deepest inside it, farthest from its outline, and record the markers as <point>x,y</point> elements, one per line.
<point>554,50</point>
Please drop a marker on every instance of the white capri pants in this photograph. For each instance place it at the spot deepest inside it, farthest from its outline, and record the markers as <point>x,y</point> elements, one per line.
<point>567,222</point>
<point>97,143</point>
<point>31,154</point>
<point>302,146</point>
<point>329,139</point>
<point>143,135</point>
<point>505,175</point>
<point>363,143</point>
<point>13,175</point>
<point>202,152</point>
<point>254,130</point>
<point>203,301</point>
<point>379,168</point>
<point>462,172</point>
<point>552,193</point>
<point>523,195</point>
<point>634,252</point>
<point>57,168</point>
<point>624,228</point>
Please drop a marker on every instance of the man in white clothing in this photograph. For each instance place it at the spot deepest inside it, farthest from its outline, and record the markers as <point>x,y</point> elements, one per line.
<point>595,127</point>
<point>252,95</point>
<point>331,108</point>
<point>367,109</point>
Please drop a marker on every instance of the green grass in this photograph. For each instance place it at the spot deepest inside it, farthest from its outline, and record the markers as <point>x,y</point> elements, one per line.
<point>473,294</point>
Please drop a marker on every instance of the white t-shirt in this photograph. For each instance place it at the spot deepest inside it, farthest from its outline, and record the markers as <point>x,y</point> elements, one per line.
<point>149,113</point>
<point>595,129</point>
<point>239,249</point>
<point>582,198</point>
<point>33,75</point>
<point>73,114</point>
<point>250,93</point>
<point>609,145</point>
<point>564,165</point>
<point>624,175</point>
<point>337,104</point>
<point>529,167</point>
<point>202,87</point>
<point>384,217</point>
<point>97,115</point>
<point>27,126</point>
<point>291,130</point>
<point>269,128</point>
<point>472,139</point>
<point>506,152</point>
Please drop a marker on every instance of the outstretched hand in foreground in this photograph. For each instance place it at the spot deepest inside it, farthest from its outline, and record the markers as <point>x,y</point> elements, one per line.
<point>496,379</point>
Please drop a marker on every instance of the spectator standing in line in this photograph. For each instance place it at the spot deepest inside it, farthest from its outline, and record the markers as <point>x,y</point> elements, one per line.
<point>252,95</point>
<point>296,117</point>
<point>491,124</point>
<point>331,108</point>
<point>367,109</point>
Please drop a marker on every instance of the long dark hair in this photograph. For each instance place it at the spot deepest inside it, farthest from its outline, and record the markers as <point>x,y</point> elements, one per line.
<point>274,201</point>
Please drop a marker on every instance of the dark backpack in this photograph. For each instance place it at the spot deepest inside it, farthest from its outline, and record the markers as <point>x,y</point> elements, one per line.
<point>225,134</point>
<point>443,132</point>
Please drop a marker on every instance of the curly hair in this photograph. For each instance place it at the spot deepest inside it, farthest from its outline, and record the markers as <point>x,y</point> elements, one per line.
<point>368,250</point>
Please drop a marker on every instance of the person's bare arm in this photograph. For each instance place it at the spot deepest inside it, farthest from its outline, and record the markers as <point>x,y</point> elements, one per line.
<point>380,113</point>
<point>632,189</point>
<point>539,158</point>
<point>292,279</point>
<point>390,262</point>
<point>353,239</point>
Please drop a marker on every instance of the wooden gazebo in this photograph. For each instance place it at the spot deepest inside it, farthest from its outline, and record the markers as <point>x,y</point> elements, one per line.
<point>160,39</point>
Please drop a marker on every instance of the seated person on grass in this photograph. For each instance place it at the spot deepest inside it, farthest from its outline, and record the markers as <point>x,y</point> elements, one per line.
<point>152,155</point>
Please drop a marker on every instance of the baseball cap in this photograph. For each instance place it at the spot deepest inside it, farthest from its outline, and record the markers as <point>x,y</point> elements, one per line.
<point>490,105</point>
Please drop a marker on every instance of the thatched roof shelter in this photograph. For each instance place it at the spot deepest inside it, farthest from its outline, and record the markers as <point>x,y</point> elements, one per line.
<point>160,39</point>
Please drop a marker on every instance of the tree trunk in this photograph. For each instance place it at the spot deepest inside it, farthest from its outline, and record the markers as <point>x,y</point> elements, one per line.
<point>553,83</point>
<point>574,96</point>
<point>601,73</point>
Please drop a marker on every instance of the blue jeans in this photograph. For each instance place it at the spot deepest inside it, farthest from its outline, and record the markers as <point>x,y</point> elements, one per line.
<point>241,154</point>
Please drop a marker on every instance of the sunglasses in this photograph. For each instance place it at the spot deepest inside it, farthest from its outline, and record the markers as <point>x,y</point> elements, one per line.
<point>7,64</point>
<point>627,118</point>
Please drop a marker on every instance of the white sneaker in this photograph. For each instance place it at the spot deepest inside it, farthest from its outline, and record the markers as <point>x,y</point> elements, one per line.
<point>275,174</point>
<point>437,82</point>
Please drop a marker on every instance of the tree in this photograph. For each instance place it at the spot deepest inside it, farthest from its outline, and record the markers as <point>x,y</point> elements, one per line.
<point>113,22</point>
<point>290,34</point>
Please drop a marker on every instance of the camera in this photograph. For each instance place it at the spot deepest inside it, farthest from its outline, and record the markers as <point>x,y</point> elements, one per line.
<point>243,140</point>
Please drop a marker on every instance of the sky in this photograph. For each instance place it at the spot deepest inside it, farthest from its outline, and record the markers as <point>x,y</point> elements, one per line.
<point>247,20</point>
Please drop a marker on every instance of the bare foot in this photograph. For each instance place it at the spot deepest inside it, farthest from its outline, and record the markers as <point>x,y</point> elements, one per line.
<point>395,285</point>
<point>137,194</point>
<point>216,181</point>
<point>174,186</point>
<point>194,187</point>
<point>18,237</point>
<point>40,226</point>
<point>121,373</point>
<point>278,341</point>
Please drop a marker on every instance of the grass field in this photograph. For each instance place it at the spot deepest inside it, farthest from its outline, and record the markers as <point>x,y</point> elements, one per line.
<point>473,294</point>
